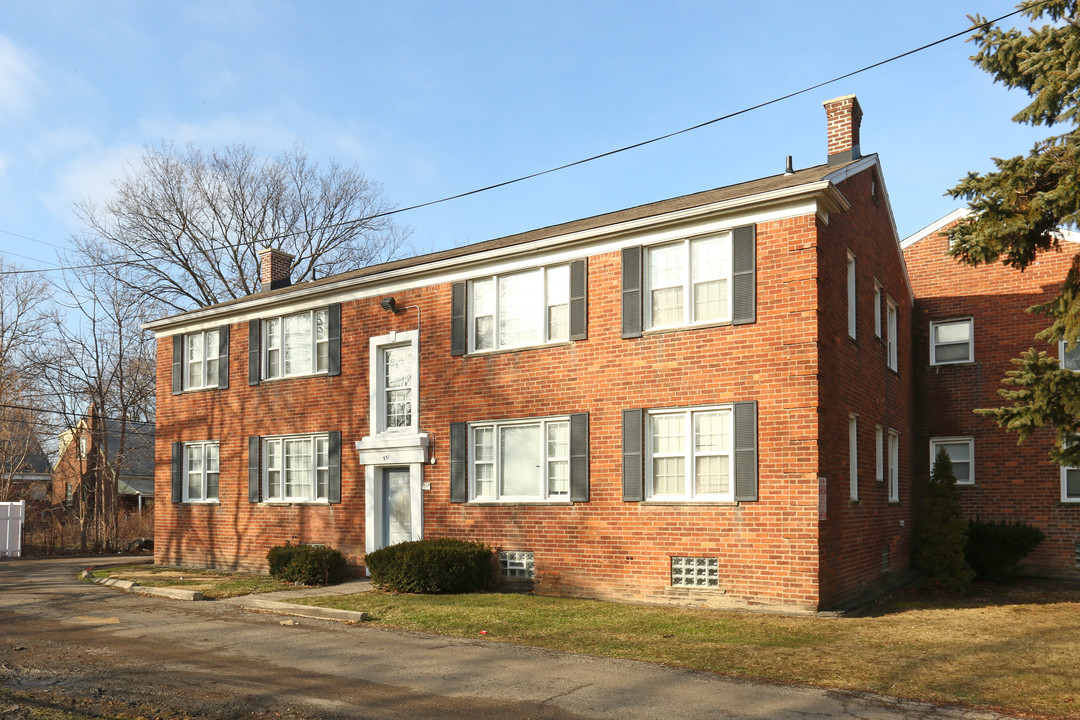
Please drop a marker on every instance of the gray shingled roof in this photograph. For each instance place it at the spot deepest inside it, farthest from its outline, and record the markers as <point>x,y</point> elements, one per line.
<point>138,461</point>
<point>684,202</point>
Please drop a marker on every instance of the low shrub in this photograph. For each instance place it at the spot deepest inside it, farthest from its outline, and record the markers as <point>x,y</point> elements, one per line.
<point>995,548</point>
<point>306,564</point>
<point>432,566</point>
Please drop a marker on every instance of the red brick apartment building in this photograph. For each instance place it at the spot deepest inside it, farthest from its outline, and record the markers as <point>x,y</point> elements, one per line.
<point>969,322</point>
<point>705,400</point>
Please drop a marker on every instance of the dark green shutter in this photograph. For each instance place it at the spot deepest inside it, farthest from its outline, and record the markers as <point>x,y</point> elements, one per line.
<point>334,491</point>
<point>633,433</point>
<point>579,457</point>
<point>177,364</point>
<point>459,447</point>
<point>744,290</point>
<point>254,336</point>
<point>631,292</point>
<point>223,357</point>
<point>746,461</point>
<point>333,349</point>
<point>177,472</point>
<point>459,338</point>
<point>579,299</point>
<point>254,478</point>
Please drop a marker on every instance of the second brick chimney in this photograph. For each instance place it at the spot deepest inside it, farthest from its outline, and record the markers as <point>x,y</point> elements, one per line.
<point>843,117</point>
<point>275,269</point>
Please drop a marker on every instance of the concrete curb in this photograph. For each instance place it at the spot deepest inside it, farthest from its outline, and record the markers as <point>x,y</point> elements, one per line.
<point>254,602</point>
<point>130,586</point>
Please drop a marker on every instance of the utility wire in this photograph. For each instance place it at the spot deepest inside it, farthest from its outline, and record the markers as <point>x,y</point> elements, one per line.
<point>608,153</point>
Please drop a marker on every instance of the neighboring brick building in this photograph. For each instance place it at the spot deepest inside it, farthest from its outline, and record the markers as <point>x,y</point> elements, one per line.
<point>702,400</point>
<point>969,323</point>
<point>127,452</point>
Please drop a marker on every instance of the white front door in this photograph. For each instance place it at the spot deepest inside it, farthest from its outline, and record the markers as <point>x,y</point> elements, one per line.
<point>397,505</point>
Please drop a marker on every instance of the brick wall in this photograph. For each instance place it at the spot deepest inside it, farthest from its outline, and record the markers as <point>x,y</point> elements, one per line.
<point>1011,482</point>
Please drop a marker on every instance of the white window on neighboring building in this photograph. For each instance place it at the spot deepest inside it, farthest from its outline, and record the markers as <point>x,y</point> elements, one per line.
<point>688,282</point>
<point>1070,359</point>
<point>853,456</point>
<point>296,468</point>
<point>395,373</point>
<point>850,294</point>
<point>527,460</point>
<point>890,321</point>
<point>961,451</point>
<point>1070,484</point>
<point>952,342</point>
<point>894,466</point>
<point>201,359</point>
<point>201,472</point>
<point>520,309</point>
<point>877,309</point>
<point>879,453</point>
<point>296,344</point>
<point>690,454</point>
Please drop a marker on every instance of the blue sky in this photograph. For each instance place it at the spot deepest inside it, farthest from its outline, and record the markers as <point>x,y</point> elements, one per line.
<point>433,98</point>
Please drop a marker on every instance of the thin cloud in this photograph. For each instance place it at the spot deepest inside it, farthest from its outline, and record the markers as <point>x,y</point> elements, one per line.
<point>17,80</point>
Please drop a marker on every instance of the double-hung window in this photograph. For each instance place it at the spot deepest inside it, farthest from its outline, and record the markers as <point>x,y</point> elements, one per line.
<point>690,454</point>
<point>201,472</point>
<point>296,468</point>
<point>689,282</point>
<point>891,321</point>
<point>520,309</point>
<point>394,382</point>
<point>877,309</point>
<point>296,344</point>
<point>526,460</point>
<point>853,456</point>
<point>1070,359</point>
<point>850,295</point>
<point>952,342</point>
<point>961,451</point>
<point>201,359</point>
<point>894,466</point>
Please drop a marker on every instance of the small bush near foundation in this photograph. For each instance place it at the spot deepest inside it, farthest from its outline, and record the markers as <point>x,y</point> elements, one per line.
<point>939,547</point>
<point>306,564</point>
<point>432,566</point>
<point>995,548</point>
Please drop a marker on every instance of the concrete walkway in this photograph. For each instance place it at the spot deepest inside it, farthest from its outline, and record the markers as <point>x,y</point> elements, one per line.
<point>275,602</point>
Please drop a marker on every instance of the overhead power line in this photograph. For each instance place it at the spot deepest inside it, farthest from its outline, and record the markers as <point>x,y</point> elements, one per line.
<point>608,153</point>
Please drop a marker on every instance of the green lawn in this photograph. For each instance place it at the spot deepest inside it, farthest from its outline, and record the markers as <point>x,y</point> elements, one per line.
<point>214,585</point>
<point>1015,648</point>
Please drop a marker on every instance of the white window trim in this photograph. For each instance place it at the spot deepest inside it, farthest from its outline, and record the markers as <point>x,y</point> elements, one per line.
<point>542,310</point>
<point>877,308</point>
<point>934,442</point>
<point>851,291</point>
<point>377,381</point>
<point>894,466</point>
<point>892,318</point>
<point>688,283</point>
<point>689,465</point>
<point>1064,497</point>
<point>204,500</point>
<point>879,447</point>
<point>264,346</point>
<point>545,495</point>
<point>971,341</point>
<point>204,362</point>
<point>1061,353</point>
<point>853,456</point>
<point>313,498</point>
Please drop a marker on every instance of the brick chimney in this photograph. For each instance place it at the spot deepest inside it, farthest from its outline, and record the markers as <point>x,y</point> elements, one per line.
<point>274,269</point>
<point>843,117</point>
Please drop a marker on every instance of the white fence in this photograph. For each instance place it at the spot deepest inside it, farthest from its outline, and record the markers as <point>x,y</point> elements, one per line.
<point>11,525</point>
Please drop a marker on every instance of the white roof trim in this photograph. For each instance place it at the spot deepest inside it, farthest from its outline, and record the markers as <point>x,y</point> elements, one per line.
<point>934,227</point>
<point>829,199</point>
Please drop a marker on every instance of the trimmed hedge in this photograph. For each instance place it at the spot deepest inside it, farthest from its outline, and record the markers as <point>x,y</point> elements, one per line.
<point>306,564</point>
<point>433,566</point>
<point>995,548</point>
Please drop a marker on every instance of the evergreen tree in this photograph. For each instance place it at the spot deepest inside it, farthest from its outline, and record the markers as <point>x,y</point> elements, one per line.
<point>1019,210</point>
<point>942,540</point>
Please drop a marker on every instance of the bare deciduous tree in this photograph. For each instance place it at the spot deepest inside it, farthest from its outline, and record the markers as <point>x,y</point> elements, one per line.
<point>186,227</point>
<point>25,317</point>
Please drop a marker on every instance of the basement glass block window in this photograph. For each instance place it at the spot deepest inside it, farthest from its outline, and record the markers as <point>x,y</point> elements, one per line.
<point>695,572</point>
<point>516,565</point>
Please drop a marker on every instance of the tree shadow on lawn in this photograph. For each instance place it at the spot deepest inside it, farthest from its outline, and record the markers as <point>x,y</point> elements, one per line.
<point>1012,591</point>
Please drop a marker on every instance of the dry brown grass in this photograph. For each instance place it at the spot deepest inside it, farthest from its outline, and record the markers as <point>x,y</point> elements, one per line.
<point>212,584</point>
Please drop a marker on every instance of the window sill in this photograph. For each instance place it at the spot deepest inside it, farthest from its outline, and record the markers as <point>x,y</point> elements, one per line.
<point>895,502</point>
<point>291,503</point>
<point>952,364</point>
<point>521,348</point>
<point>202,503</point>
<point>285,378</point>
<point>519,503</point>
<point>683,328</point>
<point>694,503</point>
<point>187,390</point>
<point>697,588</point>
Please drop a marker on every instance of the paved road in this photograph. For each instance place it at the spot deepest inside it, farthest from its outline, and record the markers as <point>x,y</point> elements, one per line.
<point>216,660</point>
